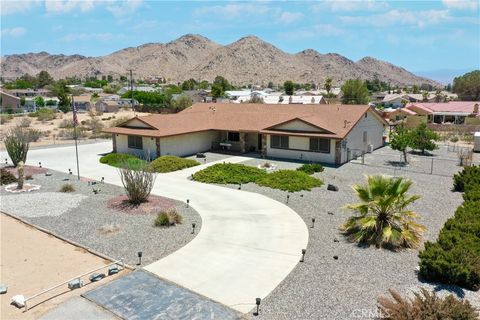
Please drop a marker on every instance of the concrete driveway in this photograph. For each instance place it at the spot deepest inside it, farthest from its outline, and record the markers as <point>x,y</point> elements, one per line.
<point>247,245</point>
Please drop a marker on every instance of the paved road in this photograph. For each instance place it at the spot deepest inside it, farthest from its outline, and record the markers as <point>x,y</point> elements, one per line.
<point>247,245</point>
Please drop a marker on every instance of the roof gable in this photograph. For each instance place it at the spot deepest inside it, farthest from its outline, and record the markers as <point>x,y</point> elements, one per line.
<point>297,125</point>
<point>136,123</point>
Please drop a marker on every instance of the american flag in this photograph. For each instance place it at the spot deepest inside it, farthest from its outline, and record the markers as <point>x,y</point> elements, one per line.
<point>74,109</point>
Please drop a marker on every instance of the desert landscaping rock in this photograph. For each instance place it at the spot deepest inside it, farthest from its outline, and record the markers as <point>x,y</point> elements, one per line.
<point>85,218</point>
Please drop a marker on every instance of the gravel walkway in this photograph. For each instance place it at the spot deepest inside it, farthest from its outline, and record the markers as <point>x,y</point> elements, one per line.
<point>83,216</point>
<point>347,288</point>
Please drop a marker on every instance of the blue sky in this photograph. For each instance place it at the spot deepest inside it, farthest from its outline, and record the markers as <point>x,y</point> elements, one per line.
<point>421,36</point>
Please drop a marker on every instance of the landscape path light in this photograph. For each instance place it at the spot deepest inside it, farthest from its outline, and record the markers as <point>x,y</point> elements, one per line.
<point>257,302</point>
<point>139,255</point>
<point>39,164</point>
<point>288,197</point>
<point>313,222</point>
<point>302,259</point>
<point>188,203</point>
<point>69,171</point>
<point>6,162</point>
<point>193,227</point>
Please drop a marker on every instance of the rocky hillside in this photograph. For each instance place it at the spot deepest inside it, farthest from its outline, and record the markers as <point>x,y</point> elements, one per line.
<point>249,60</point>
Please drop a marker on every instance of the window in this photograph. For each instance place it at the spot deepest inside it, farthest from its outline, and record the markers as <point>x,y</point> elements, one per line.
<point>135,142</point>
<point>280,142</point>
<point>320,145</point>
<point>234,136</point>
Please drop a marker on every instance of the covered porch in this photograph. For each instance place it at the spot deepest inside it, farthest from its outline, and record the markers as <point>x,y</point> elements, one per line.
<point>238,142</point>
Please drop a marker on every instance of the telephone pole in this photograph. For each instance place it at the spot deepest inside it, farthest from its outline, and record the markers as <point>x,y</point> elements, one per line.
<point>131,89</point>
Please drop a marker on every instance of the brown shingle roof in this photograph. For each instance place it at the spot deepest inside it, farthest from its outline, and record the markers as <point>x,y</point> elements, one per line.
<point>338,120</point>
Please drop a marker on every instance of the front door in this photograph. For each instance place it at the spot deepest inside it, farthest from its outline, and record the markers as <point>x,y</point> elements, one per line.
<point>338,152</point>
<point>260,145</point>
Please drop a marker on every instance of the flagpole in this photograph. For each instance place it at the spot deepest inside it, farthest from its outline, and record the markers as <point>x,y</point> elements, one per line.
<point>75,120</point>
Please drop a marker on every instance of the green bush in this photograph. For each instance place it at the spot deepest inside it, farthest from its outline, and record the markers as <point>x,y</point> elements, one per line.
<point>45,114</point>
<point>120,159</point>
<point>162,220</point>
<point>311,168</point>
<point>468,176</point>
<point>472,194</point>
<point>455,257</point>
<point>289,180</point>
<point>229,173</point>
<point>172,163</point>
<point>6,177</point>
<point>67,187</point>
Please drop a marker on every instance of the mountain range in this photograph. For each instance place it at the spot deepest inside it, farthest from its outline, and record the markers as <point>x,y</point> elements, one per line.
<point>248,60</point>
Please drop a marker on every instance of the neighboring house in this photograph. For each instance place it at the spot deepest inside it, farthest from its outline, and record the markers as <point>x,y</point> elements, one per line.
<point>135,88</point>
<point>10,102</point>
<point>30,92</point>
<point>105,105</point>
<point>446,112</point>
<point>330,134</point>
<point>397,100</point>
<point>82,102</point>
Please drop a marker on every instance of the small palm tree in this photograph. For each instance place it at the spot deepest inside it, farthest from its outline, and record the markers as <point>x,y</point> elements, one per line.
<point>382,217</point>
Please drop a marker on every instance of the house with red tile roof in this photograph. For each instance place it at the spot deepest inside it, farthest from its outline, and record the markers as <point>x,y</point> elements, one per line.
<point>321,133</point>
<point>446,112</point>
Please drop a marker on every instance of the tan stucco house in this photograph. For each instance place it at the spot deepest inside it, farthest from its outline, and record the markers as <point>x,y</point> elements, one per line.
<point>321,133</point>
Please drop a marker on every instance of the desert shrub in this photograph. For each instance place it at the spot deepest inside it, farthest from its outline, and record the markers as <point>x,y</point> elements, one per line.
<point>454,139</point>
<point>119,159</point>
<point>225,173</point>
<point>472,194</point>
<point>6,177</point>
<point>34,134</point>
<point>425,305</point>
<point>311,168</point>
<point>46,133</point>
<point>69,133</point>
<point>174,216</point>
<point>137,181</point>
<point>4,118</point>
<point>24,122</point>
<point>67,187</point>
<point>94,124</point>
<point>172,163</point>
<point>66,123</point>
<point>289,180</point>
<point>45,114</point>
<point>28,177</point>
<point>162,220</point>
<point>17,142</point>
<point>468,176</point>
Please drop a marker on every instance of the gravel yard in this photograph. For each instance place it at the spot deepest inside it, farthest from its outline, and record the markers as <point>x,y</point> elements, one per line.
<point>85,218</point>
<point>325,288</point>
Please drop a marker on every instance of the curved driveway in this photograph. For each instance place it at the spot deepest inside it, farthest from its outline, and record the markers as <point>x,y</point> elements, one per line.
<point>247,245</point>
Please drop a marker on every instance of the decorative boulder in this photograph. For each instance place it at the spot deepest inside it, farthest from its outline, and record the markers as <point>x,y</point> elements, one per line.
<point>96,277</point>
<point>332,187</point>
<point>3,288</point>
<point>48,174</point>
<point>75,284</point>
<point>113,270</point>
<point>200,155</point>
<point>18,301</point>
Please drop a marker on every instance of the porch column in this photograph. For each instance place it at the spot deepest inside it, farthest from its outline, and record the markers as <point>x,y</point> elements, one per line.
<point>264,145</point>
<point>243,139</point>
<point>114,141</point>
<point>157,143</point>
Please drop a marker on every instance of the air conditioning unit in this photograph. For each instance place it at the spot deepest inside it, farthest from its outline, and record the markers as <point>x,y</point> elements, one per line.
<point>370,148</point>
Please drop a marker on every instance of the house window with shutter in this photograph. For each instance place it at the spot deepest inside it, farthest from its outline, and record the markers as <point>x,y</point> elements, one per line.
<point>135,142</point>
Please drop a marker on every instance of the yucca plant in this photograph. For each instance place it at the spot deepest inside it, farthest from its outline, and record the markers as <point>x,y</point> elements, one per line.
<point>382,217</point>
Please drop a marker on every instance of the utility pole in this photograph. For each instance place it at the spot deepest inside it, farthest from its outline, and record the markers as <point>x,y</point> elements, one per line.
<point>131,89</point>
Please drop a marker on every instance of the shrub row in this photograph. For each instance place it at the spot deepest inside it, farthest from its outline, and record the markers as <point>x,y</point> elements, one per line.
<point>161,164</point>
<point>120,159</point>
<point>455,257</point>
<point>232,173</point>
<point>311,168</point>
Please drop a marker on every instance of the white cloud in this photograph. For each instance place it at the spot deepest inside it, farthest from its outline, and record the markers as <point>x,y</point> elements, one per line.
<point>64,6</point>
<point>316,31</point>
<point>352,5</point>
<point>71,37</point>
<point>290,17</point>
<point>233,10</point>
<point>123,8</point>
<point>20,6</point>
<point>399,17</point>
<point>461,4</point>
<point>144,25</point>
<point>13,32</point>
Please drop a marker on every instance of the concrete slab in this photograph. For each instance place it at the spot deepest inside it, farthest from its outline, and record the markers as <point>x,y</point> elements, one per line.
<point>248,242</point>
<point>78,308</point>
<point>141,295</point>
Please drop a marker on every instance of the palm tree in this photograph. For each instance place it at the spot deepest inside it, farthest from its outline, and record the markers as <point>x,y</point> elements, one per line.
<point>382,216</point>
<point>328,85</point>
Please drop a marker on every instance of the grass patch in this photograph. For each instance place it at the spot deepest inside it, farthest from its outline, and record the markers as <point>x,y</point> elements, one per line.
<point>172,163</point>
<point>311,168</point>
<point>289,180</point>
<point>120,159</point>
<point>229,173</point>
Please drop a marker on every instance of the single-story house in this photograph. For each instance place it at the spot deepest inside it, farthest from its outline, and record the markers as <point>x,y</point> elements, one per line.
<point>330,134</point>
<point>105,105</point>
<point>82,102</point>
<point>10,102</point>
<point>446,112</point>
<point>137,88</point>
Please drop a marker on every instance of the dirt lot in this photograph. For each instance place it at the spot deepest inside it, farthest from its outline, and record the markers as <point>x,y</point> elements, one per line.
<point>51,132</point>
<point>32,260</point>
